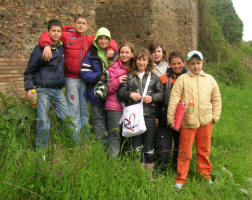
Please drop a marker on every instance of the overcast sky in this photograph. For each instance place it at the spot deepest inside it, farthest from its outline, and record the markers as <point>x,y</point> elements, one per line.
<point>244,10</point>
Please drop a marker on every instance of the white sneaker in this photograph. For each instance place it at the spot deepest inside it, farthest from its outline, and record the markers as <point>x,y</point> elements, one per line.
<point>179,186</point>
<point>43,157</point>
<point>210,182</point>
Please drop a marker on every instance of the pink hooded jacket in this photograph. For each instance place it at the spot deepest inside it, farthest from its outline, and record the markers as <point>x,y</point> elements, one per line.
<point>115,71</point>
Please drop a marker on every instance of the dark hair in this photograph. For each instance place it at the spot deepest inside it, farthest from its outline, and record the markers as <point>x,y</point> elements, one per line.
<point>154,45</point>
<point>132,49</point>
<point>175,54</point>
<point>79,16</point>
<point>140,54</point>
<point>54,22</point>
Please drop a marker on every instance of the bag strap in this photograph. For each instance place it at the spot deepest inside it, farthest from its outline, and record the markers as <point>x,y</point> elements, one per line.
<point>168,91</point>
<point>146,86</point>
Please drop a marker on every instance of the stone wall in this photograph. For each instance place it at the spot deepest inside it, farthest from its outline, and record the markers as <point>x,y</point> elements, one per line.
<point>22,22</point>
<point>128,20</point>
<point>174,22</point>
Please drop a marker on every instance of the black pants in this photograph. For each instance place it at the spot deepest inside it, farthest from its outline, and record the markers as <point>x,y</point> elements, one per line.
<point>165,137</point>
<point>143,143</point>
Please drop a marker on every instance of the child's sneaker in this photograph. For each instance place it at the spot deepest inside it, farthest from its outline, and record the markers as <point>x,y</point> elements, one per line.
<point>179,186</point>
<point>210,182</point>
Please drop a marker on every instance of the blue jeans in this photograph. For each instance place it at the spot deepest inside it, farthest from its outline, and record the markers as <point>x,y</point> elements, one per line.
<point>77,103</point>
<point>114,128</point>
<point>99,116</point>
<point>45,96</point>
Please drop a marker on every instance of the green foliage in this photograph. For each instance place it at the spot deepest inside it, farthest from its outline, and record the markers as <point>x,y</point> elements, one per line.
<point>220,29</point>
<point>246,48</point>
<point>228,20</point>
<point>85,172</point>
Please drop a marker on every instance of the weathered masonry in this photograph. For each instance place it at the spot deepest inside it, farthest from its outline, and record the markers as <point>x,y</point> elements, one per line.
<point>174,22</point>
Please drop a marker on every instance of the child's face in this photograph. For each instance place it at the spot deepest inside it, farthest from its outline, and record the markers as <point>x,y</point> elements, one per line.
<point>125,54</point>
<point>195,65</point>
<point>141,63</point>
<point>177,65</point>
<point>157,55</point>
<point>55,33</point>
<point>80,25</point>
<point>103,41</point>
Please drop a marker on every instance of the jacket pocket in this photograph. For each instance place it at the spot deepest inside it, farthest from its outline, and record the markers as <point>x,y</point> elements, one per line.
<point>189,119</point>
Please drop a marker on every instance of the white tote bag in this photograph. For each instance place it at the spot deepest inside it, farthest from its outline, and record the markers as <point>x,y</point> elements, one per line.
<point>133,118</point>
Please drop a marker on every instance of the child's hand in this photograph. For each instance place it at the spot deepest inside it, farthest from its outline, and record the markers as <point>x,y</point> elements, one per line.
<point>172,127</point>
<point>110,53</point>
<point>29,94</point>
<point>103,77</point>
<point>123,78</point>
<point>147,99</point>
<point>135,96</point>
<point>47,53</point>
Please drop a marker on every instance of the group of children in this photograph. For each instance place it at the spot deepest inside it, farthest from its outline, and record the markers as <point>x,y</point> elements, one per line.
<point>69,58</point>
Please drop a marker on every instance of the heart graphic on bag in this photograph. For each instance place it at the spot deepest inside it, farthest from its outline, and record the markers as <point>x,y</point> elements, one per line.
<point>130,123</point>
<point>132,120</point>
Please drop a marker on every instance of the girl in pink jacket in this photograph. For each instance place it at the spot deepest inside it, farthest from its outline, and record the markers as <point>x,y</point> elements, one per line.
<point>117,75</point>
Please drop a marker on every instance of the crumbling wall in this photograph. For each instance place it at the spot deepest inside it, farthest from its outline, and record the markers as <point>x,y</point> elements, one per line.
<point>128,20</point>
<point>174,22</point>
<point>22,22</point>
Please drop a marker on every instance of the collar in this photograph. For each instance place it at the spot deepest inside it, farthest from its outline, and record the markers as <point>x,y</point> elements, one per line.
<point>55,46</point>
<point>93,53</point>
<point>170,72</point>
<point>202,73</point>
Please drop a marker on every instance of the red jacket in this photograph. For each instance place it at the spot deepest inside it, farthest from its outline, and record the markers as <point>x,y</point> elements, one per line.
<point>75,49</point>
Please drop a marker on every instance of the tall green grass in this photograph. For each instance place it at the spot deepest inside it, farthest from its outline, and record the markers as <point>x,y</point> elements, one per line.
<point>85,171</point>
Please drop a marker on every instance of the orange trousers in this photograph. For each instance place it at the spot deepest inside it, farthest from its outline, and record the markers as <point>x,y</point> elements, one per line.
<point>202,136</point>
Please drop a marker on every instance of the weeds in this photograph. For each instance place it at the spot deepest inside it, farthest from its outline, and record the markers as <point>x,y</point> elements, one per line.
<point>85,172</point>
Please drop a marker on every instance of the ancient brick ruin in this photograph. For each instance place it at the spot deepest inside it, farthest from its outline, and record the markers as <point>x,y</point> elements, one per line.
<point>174,22</point>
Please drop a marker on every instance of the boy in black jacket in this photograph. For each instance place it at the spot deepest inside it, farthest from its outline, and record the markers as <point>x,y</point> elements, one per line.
<point>48,79</point>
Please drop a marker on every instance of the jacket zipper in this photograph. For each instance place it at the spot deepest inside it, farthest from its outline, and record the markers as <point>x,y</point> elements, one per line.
<point>81,50</point>
<point>198,97</point>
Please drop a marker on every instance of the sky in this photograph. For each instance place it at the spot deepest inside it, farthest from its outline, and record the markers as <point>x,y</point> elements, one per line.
<point>244,10</point>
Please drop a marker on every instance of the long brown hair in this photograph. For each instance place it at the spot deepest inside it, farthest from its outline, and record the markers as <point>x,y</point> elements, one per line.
<point>132,49</point>
<point>140,54</point>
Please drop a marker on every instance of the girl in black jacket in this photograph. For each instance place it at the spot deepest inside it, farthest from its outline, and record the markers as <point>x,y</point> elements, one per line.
<point>131,93</point>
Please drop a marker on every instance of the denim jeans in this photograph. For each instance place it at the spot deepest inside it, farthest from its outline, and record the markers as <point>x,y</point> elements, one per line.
<point>77,103</point>
<point>45,96</point>
<point>99,116</point>
<point>113,126</point>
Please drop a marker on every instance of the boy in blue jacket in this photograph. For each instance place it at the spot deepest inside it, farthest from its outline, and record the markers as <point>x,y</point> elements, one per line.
<point>48,79</point>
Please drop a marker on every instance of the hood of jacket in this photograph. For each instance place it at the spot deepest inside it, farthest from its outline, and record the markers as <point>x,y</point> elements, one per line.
<point>101,31</point>
<point>103,56</point>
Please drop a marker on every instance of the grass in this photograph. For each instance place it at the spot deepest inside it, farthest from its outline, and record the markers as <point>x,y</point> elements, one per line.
<point>85,172</point>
